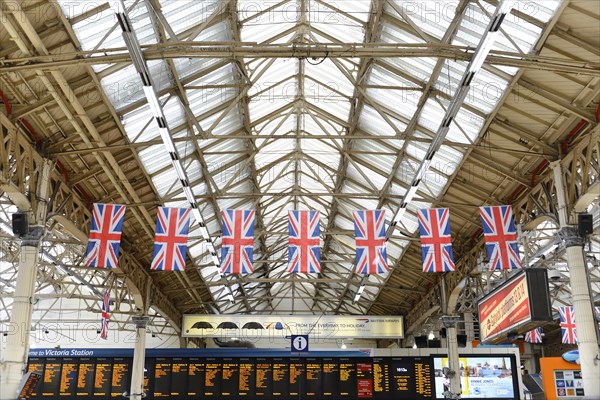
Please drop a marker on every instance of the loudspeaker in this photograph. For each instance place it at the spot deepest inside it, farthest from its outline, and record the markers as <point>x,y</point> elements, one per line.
<point>421,342</point>
<point>20,225</point>
<point>434,343</point>
<point>443,333</point>
<point>585,223</point>
<point>462,340</point>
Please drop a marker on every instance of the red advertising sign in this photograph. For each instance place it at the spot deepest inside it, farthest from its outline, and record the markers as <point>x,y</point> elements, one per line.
<point>505,308</point>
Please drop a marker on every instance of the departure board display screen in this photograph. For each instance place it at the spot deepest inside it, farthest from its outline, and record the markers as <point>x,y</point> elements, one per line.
<point>35,365</point>
<point>85,376</point>
<point>246,378</point>
<point>162,377</point>
<point>263,382</point>
<point>179,376</point>
<point>51,378</point>
<point>120,377</point>
<point>196,372</point>
<point>68,377</point>
<point>256,378</point>
<point>102,378</point>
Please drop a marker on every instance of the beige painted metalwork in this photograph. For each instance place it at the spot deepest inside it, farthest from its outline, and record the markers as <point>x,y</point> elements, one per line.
<point>293,104</point>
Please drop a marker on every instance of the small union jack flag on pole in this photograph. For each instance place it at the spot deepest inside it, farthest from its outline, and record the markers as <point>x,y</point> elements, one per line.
<point>170,239</point>
<point>105,236</point>
<point>436,243</point>
<point>369,233</point>
<point>567,325</point>
<point>500,237</point>
<point>304,254</point>
<point>105,315</point>
<point>237,246</point>
<point>534,336</point>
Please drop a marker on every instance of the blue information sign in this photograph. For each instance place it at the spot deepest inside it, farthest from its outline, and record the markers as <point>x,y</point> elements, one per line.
<point>300,343</point>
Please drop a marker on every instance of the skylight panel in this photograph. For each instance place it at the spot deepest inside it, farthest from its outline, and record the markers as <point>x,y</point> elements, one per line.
<point>328,73</point>
<point>542,10</point>
<point>399,102</point>
<point>139,125</point>
<point>372,122</point>
<point>366,177</point>
<point>186,14</point>
<point>155,158</point>
<point>166,182</point>
<point>432,17</point>
<point>260,23</point>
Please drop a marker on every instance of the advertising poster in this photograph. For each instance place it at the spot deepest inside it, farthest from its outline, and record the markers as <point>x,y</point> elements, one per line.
<point>315,326</point>
<point>505,309</point>
<point>481,377</point>
<point>568,384</point>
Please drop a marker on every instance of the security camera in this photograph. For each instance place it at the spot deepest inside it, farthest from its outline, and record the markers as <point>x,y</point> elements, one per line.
<point>553,274</point>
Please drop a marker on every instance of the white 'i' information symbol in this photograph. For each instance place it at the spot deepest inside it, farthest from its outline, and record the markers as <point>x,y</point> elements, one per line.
<point>300,343</point>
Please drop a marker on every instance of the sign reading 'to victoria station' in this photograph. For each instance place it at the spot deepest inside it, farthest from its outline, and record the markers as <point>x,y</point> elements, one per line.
<point>520,304</point>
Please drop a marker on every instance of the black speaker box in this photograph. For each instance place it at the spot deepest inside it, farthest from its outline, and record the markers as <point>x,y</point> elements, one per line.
<point>20,225</point>
<point>585,224</point>
<point>462,340</point>
<point>421,342</point>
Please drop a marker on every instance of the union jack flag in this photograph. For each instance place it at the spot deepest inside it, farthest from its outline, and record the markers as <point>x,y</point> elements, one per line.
<point>567,325</point>
<point>105,315</point>
<point>105,236</point>
<point>534,336</point>
<point>436,243</point>
<point>304,254</point>
<point>369,233</point>
<point>237,246</point>
<point>170,239</point>
<point>500,237</point>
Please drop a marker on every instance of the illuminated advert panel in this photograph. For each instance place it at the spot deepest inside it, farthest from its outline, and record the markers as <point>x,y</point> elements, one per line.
<point>324,326</point>
<point>520,304</point>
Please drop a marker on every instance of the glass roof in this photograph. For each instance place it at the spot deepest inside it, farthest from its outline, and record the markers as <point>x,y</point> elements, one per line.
<point>335,134</point>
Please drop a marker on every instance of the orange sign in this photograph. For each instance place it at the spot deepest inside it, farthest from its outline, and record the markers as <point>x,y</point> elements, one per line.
<point>505,309</point>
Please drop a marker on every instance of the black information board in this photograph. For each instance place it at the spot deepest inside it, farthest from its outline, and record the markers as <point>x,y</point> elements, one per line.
<point>51,378</point>
<point>85,377</point>
<point>252,378</point>
<point>102,378</point>
<point>68,377</point>
<point>36,365</point>
<point>121,373</point>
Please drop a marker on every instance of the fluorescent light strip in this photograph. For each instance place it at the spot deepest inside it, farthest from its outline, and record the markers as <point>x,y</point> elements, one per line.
<point>158,113</point>
<point>483,49</point>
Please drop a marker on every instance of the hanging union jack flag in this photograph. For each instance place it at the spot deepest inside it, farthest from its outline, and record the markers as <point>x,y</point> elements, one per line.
<point>369,233</point>
<point>105,236</point>
<point>237,246</point>
<point>500,237</point>
<point>567,325</point>
<point>105,315</point>
<point>436,243</point>
<point>170,239</point>
<point>304,253</point>
<point>534,336</point>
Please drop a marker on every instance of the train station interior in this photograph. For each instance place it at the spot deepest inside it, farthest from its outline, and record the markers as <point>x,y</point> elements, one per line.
<point>300,199</point>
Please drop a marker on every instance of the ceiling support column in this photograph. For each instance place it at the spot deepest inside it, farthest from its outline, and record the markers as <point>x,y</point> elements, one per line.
<point>139,359</point>
<point>14,359</point>
<point>587,340</point>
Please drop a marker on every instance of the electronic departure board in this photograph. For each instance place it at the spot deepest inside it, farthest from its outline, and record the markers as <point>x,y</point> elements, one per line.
<point>252,378</point>
<point>85,377</point>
